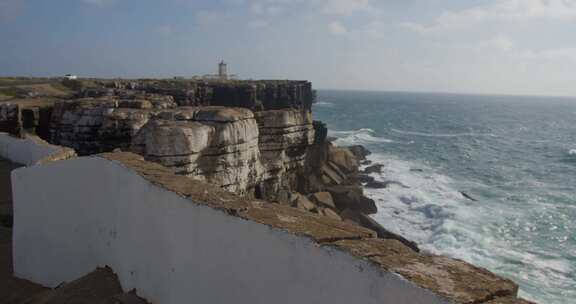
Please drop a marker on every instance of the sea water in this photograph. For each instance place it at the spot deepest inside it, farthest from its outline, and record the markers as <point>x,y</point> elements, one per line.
<point>515,156</point>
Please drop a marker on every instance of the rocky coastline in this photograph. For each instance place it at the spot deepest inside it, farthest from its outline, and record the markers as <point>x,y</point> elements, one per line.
<point>256,139</point>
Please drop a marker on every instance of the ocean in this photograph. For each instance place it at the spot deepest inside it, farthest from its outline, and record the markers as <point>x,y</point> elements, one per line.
<point>514,155</point>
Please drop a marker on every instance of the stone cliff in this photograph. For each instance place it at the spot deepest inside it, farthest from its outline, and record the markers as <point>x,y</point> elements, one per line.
<point>254,138</point>
<point>248,137</point>
<point>216,144</point>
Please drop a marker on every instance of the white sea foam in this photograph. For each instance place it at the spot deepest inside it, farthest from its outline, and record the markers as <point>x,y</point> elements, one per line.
<point>340,133</point>
<point>433,212</point>
<point>357,137</point>
<point>440,134</point>
<point>572,152</point>
<point>324,104</point>
<point>425,209</point>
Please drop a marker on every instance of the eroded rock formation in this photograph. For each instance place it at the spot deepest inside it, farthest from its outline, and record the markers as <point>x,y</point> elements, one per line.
<point>94,125</point>
<point>284,140</point>
<point>251,153</point>
<point>216,144</point>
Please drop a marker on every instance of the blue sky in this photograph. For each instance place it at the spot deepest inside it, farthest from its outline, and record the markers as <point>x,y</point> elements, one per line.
<point>473,46</point>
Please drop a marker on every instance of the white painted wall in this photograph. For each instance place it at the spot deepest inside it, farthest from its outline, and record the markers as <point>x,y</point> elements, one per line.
<point>88,212</point>
<point>25,151</point>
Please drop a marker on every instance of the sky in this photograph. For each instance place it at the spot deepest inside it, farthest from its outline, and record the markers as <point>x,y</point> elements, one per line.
<point>465,46</point>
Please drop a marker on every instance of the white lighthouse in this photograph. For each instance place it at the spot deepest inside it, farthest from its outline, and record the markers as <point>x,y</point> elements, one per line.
<point>222,70</point>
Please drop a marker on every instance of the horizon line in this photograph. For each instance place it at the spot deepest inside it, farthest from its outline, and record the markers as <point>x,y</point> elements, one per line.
<point>448,93</point>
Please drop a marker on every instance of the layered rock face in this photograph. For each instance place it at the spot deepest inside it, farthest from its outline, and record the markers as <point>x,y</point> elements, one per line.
<point>265,95</point>
<point>76,124</point>
<point>216,144</point>
<point>94,125</point>
<point>284,141</point>
<point>242,151</point>
<point>255,95</point>
<point>10,119</point>
<point>250,137</point>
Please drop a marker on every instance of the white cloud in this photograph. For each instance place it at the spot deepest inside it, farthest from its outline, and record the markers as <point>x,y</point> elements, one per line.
<point>336,28</point>
<point>564,10</point>
<point>552,9</point>
<point>502,45</point>
<point>344,7</point>
<point>499,42</point>
<point>557,54</point>
<point>497,45</point>
<point>327,7</point>
<point>266,12</point>
<point>450,21</point>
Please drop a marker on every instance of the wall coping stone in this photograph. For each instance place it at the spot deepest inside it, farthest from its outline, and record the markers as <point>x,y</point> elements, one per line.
<point>455,280</point>
<point>44,152</point>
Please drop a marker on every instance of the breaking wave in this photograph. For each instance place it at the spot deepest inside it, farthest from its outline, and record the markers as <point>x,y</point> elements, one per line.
<point>572,152</point>
<point>428,207</point>
<point>357,137</point>
<point>421,205</point>
<point>324,103</point>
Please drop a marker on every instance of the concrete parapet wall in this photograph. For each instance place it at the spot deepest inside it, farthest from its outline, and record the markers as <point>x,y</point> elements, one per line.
<point>31,150</point>
<point>177,240</point>
<point>173,250</point>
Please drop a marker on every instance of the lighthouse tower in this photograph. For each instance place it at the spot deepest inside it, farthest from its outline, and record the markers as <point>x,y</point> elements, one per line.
<point>222,70</point>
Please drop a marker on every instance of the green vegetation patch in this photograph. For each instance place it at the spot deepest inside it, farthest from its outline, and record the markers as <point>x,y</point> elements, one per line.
<point>16,81</point>
<point>12,91</point>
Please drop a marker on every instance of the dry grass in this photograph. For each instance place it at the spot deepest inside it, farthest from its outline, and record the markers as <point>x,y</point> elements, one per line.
<point>33,102</point>
<point>47,89</point>
<point>16,81</point>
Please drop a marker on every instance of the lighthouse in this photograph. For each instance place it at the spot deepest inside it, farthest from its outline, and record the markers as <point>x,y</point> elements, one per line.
<point>222,70</point>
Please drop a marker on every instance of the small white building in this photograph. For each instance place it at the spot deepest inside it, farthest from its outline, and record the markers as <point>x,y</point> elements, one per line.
<point>70,77</point>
